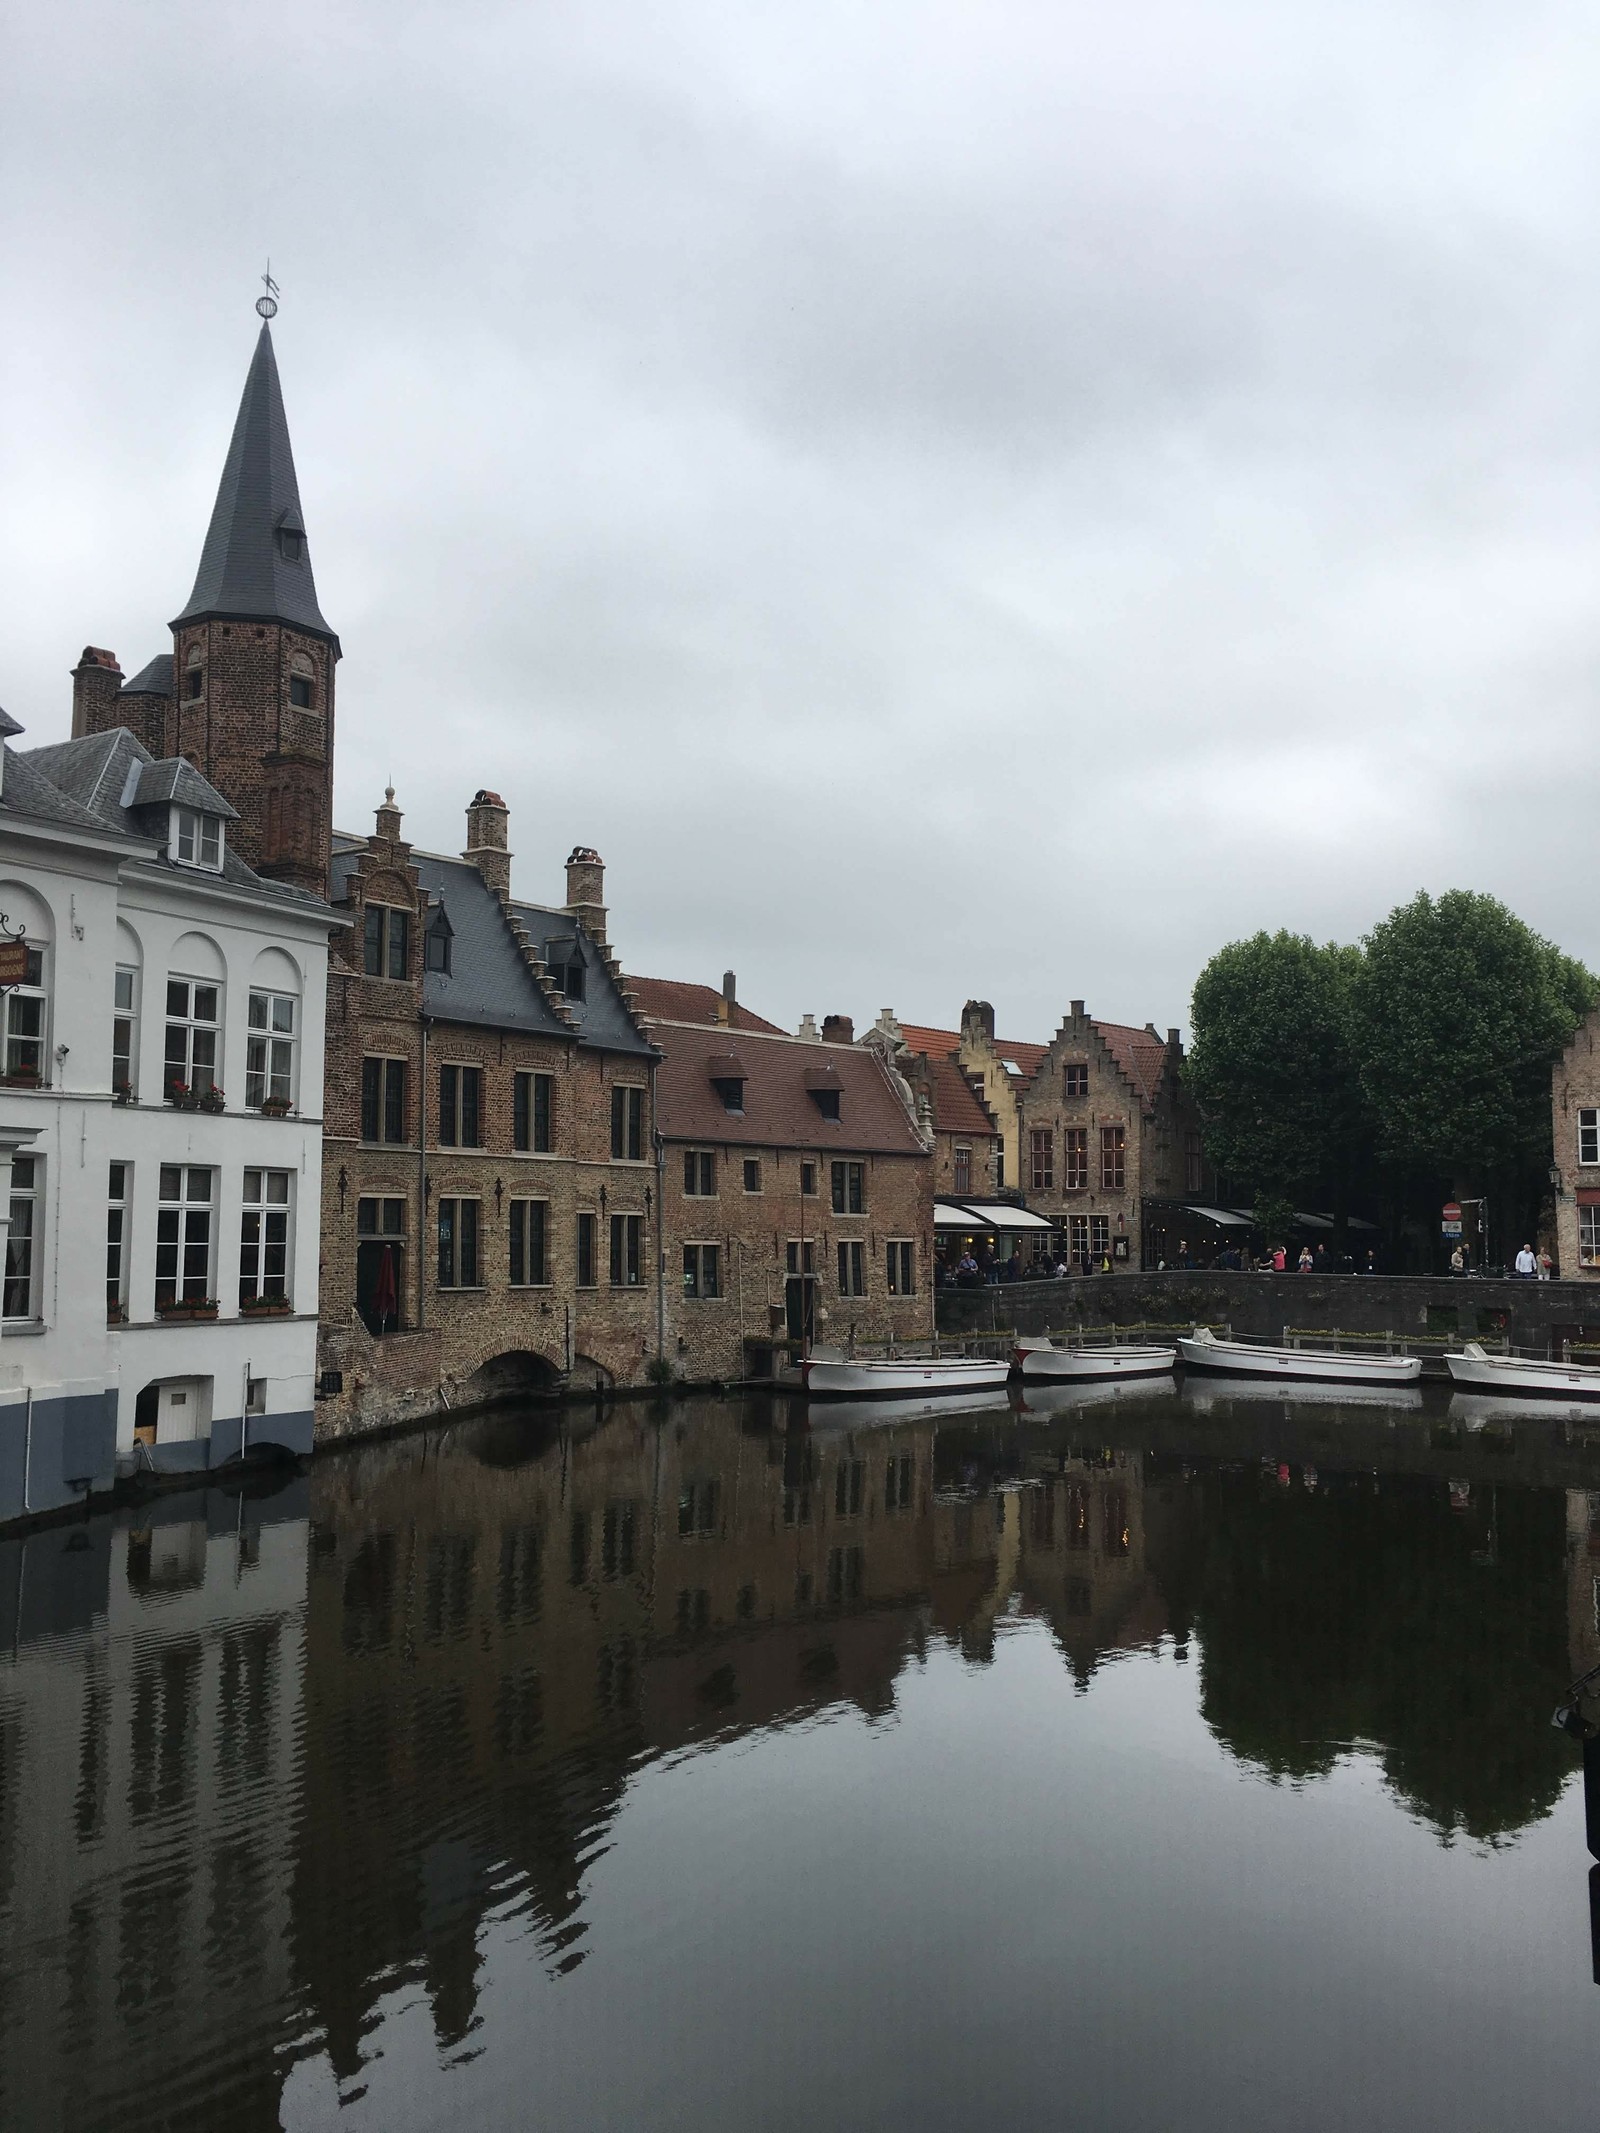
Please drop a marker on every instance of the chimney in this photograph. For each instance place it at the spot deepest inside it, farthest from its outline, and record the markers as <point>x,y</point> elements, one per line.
<point>586,891</point>
<point>95,682</point>
<point>488,821</point>
<point>1077,1010</point>
<point>808,1028</point>
<point>838,1029</point>
<point>1172,1040</point>
<point>977,1018</point>
<point>729,1000</point>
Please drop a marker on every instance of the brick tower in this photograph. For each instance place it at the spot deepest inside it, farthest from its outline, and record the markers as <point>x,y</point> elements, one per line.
<point>252,658</point>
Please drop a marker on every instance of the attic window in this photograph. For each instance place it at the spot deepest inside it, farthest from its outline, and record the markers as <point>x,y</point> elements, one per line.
<point>291,544</point>
<point>726,1073</point>
<point>827,1102</point>
<point>823,1087</point>
<point>437,943</point>
<point>196,839</point>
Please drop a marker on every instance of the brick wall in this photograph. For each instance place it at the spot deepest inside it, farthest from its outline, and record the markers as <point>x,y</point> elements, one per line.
<point>1574,1088</point>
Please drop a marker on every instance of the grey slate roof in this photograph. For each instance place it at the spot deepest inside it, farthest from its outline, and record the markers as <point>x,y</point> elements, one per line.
<point>243,570</point>
<point>80,784</point>
<point>173,781</point>
<point>8,724</point>
<point>488,982</point>
<point>153,680</point>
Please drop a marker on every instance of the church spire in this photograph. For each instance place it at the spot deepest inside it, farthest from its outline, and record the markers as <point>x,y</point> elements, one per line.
<point>256,563</point>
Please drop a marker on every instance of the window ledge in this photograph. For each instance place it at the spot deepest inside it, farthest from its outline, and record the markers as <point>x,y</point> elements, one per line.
<point>525,1288</point>
<point>12,1329</point>
<point>462,1288</point>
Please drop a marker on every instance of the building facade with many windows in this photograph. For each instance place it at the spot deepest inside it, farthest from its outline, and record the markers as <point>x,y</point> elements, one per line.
<point>160,1107</point>
<point>1575,1141</point>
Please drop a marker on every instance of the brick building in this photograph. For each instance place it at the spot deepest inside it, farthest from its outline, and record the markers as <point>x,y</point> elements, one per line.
<point>797,1196</point>
<point>966,1140</point>
<point>1575,1140</point>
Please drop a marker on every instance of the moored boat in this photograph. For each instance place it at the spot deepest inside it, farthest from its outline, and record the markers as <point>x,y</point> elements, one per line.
<point>1523,1375</point>
<point>830,1372</point>
<point>1043,1359</point>
<point>1201,1350</point>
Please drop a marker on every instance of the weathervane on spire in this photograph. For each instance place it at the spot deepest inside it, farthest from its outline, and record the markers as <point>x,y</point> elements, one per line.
<point>267,306</point>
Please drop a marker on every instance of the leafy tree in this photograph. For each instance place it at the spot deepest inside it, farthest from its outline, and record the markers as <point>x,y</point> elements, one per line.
<point>1271,1067</point>
<point>1457,1011</point>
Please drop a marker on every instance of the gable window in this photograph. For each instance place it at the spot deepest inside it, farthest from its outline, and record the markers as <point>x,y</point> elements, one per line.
<point>1113,1152</point>
<point>702,1271</point>
<point>963,1170</point>
<point>752,1173</point>
<point>269,1050</point>
<point>196,838</point>
<point>458,1244</point>
<point>1042,1155</point>
<point>849,1188</point>
<point>383,1100</point>
<point>22,1012</point>
<point>22,1238</point>
<point>530,1232</point>
<point>124,1025</point>
<point>1588,1138</point>
<point>1075,1159</point>
<point>460,1107</point>
<point>190,1060</point>
<point>1075,1080</point>
<point>117,1239</point>
<point>627,1125</point>
<point>853,1269</point>
<point>627,1251</point>
<point>699,1174</point>
<point>902,1267</point>
<point>264,1238</point>
<point>386,941</point>
<point>569,977</point>
<point>184,1234</point>
<point>531,1097</point>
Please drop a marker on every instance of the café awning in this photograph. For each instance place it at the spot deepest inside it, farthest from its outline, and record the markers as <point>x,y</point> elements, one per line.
<point>1224,1217</point>
<point>985,1214</point>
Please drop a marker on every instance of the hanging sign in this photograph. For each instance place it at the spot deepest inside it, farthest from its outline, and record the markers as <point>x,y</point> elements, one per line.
<point>13,962</point>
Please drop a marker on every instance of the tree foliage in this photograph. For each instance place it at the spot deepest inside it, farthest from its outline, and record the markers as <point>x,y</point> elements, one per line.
<point>1270,1064</point>
<point>1458,1010</point>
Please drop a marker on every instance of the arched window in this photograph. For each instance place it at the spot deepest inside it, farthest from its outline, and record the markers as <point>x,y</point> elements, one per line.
<point>192,1051</point>
<point>125,1015</point>
<point>272,1040</point>
<point>25,1005</point>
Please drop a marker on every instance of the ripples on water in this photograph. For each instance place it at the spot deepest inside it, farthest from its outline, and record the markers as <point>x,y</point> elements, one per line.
<point>1109,1764</point>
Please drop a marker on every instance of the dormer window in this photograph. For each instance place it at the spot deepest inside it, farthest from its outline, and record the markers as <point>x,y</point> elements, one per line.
<point>302,683</point>
<point>436,943</point>
<point>725,1071</point>
<point>824,1088</point>
<point>291,544</point>
<point>196,839</point>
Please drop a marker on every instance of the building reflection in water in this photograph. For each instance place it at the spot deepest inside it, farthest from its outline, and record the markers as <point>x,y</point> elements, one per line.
<point>262,1764</point>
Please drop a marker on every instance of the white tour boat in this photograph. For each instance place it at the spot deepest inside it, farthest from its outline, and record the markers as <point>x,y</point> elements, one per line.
<point>831,1371</point>
<point>1201,1350</point>
<point>1523,1374</point>
<point>1043,1359</point>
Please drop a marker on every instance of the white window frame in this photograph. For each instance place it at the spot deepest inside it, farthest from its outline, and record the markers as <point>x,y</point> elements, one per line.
<point>197,839</point>
<point>125,1017</point>
<point>188,1215</point>
<point>20,1005</point>
<point>272,1048</point>
<point>119,1205</point>
<point>1588,1139</point>
<point>24,1259</point>
<point>266,1235</point>
<point>195,1026</point>
<point>1589,1236</point>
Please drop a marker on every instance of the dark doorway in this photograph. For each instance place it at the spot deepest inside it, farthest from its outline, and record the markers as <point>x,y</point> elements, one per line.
<point>380,1282</point>
<point>800,1306</point>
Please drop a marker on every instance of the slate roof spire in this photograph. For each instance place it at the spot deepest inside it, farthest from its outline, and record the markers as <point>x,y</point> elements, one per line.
<point>256,562</point>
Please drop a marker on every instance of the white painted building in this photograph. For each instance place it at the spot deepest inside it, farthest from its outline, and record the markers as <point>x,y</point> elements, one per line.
<point>161,1075</point>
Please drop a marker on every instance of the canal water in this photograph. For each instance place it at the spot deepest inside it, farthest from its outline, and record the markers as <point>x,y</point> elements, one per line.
<point>1174,1758</point>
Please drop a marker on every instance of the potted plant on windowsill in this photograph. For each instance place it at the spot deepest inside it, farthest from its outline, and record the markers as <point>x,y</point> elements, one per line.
<point>21,1078</point>
<point>116,1314</point>
<point>275,1107</point>
<point>182,1097</point>
<point>180,1308</point>
<point>122,1092</point>
<point>212,1100</point>
<point>265,1306</point>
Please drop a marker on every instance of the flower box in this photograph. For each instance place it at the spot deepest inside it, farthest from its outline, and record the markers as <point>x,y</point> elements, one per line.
<point>182,1097</point>
<point>265,1307</point>
<point>213,1101</point>
<point>122,1093</point>
<point>275,1107</point>
<point>21,1078</point>
<point>178,1311</point>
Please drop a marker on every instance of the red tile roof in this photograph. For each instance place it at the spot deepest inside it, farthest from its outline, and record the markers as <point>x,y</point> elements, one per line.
<point>955,1108</point>
<point>1139,1055</point>
<point>672,1000</point>
<point>778,1111</point>
<point>946,1043</point>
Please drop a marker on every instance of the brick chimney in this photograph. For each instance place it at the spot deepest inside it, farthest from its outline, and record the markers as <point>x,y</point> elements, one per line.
<point>95,682</point>
<point>838,1029</point>
<point>1172,1040</point>
<point>729,1001</point>
<point>977,1019</point>
<point>1077,1010</point>
<point>488,823</point>
<point>586,891</point>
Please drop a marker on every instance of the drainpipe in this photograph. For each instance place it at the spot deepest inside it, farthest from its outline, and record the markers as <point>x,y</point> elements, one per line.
<point>27,1451</point>
<point>661,1220</point>
<point>426,1022</point>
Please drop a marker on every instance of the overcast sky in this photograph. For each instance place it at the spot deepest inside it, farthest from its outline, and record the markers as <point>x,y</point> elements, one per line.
<point>970,500</point>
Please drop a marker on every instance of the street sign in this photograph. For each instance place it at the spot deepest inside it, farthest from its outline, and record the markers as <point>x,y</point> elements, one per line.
<point>13,962</point>
<point>1452,1211</point>
<point>1451,1229</point>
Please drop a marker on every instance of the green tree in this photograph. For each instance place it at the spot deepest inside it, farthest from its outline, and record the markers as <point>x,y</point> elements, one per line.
<point>1457,1012</point>
<point>1271,1065</point>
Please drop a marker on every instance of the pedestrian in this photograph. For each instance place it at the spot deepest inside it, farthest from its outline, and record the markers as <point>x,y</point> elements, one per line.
<point>1527,1265</point>
<point>1305,1263</point>
<point>1458,1261</point>
<point>990,1265</point>
<point>1280,1259</point>
<point>1014,1264</point>
<point>1322,1259</point>
<point>1371,1266</point>
<point>1546,1263</point>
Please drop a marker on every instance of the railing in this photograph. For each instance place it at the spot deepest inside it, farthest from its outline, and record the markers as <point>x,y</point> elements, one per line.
<point>1389,1343</point>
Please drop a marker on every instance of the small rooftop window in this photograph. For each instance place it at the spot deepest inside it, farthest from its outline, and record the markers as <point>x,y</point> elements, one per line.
<point>437,943</point>
<point>824,1088</point>
<point>291,544</point>
<point>726,1073</point>
<point>196,839</point>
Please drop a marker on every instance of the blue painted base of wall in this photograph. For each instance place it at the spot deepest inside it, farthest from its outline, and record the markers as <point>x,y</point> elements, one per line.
<point>283,1433</point>
<point>63,1452</point>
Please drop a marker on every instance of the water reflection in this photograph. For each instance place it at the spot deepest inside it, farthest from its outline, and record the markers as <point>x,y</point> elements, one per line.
<point>266,1763</point>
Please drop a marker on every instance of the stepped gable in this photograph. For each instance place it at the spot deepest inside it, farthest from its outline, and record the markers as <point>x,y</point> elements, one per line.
<point>779,1109</point>
<point>955,1108</point>
<point>675,1000</point>
<point>1140,1056</point>
<point>607,1016</point>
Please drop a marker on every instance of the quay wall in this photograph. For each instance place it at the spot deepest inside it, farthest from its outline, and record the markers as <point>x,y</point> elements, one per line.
<point>1528,1313</point>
